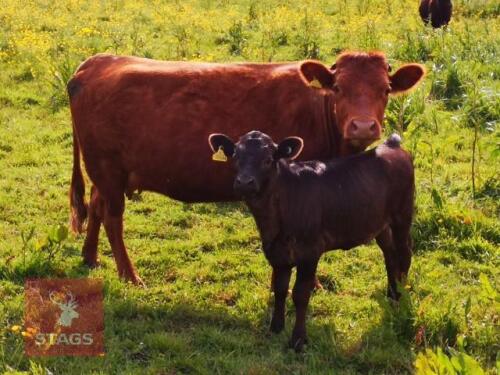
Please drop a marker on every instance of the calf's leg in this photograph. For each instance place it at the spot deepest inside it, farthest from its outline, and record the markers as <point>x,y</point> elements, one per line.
<point>95,215</point>
<point>306,275</point>
<point>402,244</point>
<point>317,283</point>
<point>386,243</point>
<point>281,280</point>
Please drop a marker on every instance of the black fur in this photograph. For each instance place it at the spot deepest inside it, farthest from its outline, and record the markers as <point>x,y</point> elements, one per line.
<point>303,209</point>
<point>438,12</point>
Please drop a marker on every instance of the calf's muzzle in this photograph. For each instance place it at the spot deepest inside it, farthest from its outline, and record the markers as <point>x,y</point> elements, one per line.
<point>245,184</point>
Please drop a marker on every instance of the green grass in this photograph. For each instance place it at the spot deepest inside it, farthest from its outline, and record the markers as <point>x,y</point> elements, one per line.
<point>207,305</point>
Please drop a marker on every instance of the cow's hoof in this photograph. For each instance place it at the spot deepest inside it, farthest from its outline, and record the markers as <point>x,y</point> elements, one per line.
<point>139,282</point>
<point>136,280</point>
<point>277,325</point>
<point>94,263</point>
<point>297,343</point>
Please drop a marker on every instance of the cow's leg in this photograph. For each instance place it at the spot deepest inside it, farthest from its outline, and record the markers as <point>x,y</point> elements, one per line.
<point>306,273</point>
<point>113,223</point>
<point>281,280</point>
<point>386,243</point>
<point>95,216</point>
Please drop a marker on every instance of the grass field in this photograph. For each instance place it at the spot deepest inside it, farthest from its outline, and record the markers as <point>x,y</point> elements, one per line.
<point>207,305</point>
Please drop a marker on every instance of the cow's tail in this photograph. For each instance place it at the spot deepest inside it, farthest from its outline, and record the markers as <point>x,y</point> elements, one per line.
<point>77,191</point>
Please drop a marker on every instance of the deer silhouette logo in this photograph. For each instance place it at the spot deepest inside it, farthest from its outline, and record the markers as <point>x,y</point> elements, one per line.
<point>68,306</point>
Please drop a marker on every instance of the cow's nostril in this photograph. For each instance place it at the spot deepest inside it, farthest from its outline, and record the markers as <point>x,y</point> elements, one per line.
<point>354,127</point>
<point>373,127</point>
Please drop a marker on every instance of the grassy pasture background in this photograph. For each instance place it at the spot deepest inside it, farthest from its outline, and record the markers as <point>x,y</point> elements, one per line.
<point>207,306</point>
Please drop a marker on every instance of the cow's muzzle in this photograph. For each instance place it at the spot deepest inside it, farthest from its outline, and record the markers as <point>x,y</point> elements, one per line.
<point>363,130</point>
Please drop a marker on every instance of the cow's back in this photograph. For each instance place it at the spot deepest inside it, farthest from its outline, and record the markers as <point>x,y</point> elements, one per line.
<point>151,119</point>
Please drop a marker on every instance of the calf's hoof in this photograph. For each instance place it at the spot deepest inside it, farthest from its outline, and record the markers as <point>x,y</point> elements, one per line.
<point>393,294</point>
<point>297,343</point>
<point>317,284</point>
<point>277,325</point>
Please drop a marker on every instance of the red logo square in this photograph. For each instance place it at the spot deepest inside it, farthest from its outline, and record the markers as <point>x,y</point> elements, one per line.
<point>64,317</point>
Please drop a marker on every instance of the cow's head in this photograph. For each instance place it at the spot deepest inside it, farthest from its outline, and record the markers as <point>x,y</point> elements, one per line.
<point>255,157</point>
<point>361,83</point>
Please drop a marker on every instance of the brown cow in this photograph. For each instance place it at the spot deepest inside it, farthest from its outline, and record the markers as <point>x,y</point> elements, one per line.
<point>303,209</point>
<point>140,124</point>
<point>437,11</point>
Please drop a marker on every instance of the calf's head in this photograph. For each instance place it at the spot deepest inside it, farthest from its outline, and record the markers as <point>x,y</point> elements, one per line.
<point>255,157</point>
<point>361,84</point>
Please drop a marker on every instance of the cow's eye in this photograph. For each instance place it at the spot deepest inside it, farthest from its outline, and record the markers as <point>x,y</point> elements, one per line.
<point>268,161</point>
<point>336,89</point>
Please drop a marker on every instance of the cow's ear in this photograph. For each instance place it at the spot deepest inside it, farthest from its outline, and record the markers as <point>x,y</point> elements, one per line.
<point>316,75</point>
<point>406,77</point>
<point>221,143</point>
<point>289,148</point>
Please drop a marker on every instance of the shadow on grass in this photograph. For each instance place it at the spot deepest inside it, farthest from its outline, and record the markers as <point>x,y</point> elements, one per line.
<point>212,331</point>
<point>150,329</point>
<point>182,337</point>
<point>384,348</point>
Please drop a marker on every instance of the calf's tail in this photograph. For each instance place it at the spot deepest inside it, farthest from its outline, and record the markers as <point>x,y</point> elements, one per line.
<point>77,191</point>
<point>394,141</point>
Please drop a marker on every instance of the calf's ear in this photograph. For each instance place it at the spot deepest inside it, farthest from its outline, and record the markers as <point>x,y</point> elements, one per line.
<point>222,142</point>
<point>289,148</point>
<point>316,75</point>
<point>406,77</point>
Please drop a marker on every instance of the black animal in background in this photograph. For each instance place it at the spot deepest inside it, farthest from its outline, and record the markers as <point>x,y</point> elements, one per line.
<point>303,209</point>
<point>438,12</point>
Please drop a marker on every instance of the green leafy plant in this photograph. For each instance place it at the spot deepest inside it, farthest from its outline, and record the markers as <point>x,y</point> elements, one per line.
<point>39,256</point>
<point>437,362</point>
<point>236,39</point>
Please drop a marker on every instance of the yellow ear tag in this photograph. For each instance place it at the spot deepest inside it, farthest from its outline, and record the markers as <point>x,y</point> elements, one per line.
<point>316,84</point>
<point>219,155</point>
